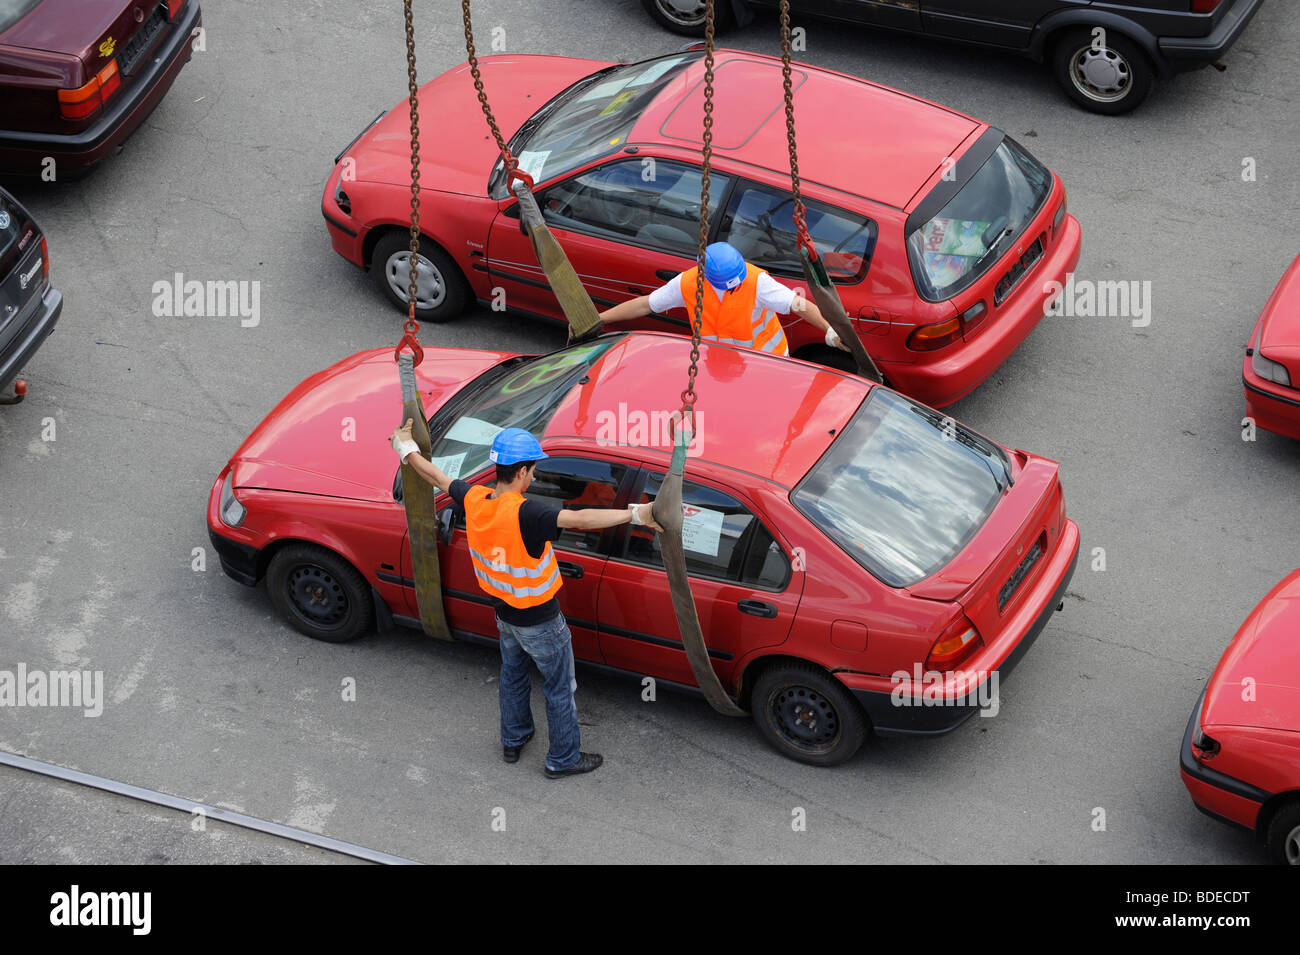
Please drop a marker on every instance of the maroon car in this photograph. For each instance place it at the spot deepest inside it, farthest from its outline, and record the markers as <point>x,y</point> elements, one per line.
<point>78,76</point>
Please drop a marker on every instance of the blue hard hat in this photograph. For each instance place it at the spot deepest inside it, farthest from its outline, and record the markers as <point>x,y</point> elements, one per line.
<point>724,266</point>
<point>513,445</point>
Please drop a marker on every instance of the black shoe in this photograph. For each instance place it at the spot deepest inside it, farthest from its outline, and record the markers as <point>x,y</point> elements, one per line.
<point>511,753</point>
<point>586,764</point>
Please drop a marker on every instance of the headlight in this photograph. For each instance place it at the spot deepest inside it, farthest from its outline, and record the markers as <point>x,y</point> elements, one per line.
<point>232,512</point>
<point>1269,370</point>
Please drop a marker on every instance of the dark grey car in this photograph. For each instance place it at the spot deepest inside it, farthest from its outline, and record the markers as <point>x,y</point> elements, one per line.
<point>29,305</point>
<point>1106,56</point>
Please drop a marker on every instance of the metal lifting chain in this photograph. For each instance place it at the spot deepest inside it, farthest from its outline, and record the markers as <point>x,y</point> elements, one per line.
<point>411,327</point>
<point>800,217</point>
<point>513,171</point>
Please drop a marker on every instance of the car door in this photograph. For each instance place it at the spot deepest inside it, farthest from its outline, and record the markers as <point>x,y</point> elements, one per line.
<point>565,481</point>
<point>628,226</point>
<point>745,587</point>
<point>886,13</point>
<point>1006,23</point>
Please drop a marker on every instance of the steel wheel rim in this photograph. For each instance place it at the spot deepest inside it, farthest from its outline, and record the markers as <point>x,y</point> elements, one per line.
<point>805,718</point>
<point>1104,76</point>
<point>684,13</point>
<point>1291,846</point>
<point>430,289</point>
<point>316,596</point>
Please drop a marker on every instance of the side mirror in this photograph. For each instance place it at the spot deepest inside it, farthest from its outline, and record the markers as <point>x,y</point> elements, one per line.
<point>446,524</point>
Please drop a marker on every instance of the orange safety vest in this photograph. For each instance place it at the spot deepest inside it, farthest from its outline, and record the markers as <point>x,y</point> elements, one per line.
<point>736,318</point>
<point>502,564</point>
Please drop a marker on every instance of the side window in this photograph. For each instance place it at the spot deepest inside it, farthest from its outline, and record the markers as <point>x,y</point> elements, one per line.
<point>575,483</point>
<point>646,201</point>
<point>720,536</point>
<point>760,223</point>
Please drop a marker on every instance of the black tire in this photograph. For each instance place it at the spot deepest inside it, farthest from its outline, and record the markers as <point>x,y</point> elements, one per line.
<point>1111,75</point>
<point>1282,840</point>
<point>447,291</point>
<point>319,593</point>
<point>675,17</point>
<point>808,715</point>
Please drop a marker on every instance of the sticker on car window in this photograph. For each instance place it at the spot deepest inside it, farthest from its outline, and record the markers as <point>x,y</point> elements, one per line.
<point>469,430</point>
<point>602,91</point>
<point>656,71</point>
<point>450,463</point>
<point>617,103</point>
<point>701,529</point>
<point>534,161</point>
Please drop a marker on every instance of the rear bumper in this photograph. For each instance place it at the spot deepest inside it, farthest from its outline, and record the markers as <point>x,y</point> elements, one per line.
<point>1216,794</point>
<point>1272,407</point>
<point>28,333</point>
<point>1188,53</point>
<point>943,715</point>
<point>24,152</point>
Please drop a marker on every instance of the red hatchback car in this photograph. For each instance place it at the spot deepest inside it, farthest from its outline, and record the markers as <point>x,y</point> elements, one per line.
<point>942,233</point>
<point>1271,372</point>
<point>78,76</point>
<point>859,561</point>
<point>1241,752</point>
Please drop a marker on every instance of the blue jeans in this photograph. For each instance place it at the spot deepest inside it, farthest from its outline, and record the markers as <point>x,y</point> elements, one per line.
<point>550,646</point>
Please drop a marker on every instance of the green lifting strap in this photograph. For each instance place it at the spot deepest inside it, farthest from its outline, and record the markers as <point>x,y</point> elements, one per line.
<point>827,298</point>
<point>574,301</point>
<point>667,511</point>
<point>421,510</point>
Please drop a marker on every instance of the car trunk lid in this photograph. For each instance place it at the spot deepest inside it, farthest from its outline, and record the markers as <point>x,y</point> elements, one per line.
<point>22,270</point>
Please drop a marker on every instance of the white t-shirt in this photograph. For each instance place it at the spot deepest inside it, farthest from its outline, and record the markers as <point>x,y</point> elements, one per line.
<point>770,294</point>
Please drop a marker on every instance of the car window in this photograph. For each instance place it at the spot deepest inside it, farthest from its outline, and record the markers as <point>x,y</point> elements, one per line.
<point>720,536</point>
<point>645,201</point>
<point>760,223</point>
<point>11,11</point>
<point>575,483</point>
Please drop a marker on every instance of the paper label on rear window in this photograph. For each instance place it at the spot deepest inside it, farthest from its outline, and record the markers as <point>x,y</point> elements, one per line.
<point>701,529</point>
<point>469,430</point>
<point>450,464</point>
<point>534,161</point>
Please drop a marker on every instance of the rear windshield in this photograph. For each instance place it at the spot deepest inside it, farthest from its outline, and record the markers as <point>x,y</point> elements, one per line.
<point>11,11</point>
<point>971,233</point>
<point>903,489</point>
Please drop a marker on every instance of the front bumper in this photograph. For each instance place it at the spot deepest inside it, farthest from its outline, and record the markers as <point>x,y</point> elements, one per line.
<point>240,561</point>
<point>29,331</point>
<point>1272,407</point>
<point>1217,794</point>
<point>1189,53</point>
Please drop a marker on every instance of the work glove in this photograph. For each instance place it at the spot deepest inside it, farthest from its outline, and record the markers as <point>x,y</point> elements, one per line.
<point>402,442</point>
<point>642,514</point>
<point>579,339</point>
<point>833,340</point>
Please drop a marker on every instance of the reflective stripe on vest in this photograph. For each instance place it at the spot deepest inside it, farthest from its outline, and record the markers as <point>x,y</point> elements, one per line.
<point>736,318</point>
<point>502,564</point>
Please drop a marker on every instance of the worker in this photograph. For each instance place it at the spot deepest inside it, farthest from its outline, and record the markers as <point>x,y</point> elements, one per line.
<point>510,547</point>
<point>741,303</point>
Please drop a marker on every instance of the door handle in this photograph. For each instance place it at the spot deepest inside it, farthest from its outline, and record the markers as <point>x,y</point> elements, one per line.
<point>635,290</point>
<point>569,569</point>
<point>756,608</point>
<point>666,274</point>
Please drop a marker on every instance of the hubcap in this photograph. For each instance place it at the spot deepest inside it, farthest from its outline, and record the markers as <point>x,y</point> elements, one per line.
<point>316,596</point>
<point>1292,846</point>
<point>686,13</point>
<point>430,289</point>
<point>1101,75</point>
<point>804,717</point>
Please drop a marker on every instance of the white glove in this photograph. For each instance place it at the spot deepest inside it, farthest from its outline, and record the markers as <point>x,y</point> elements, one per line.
<point>832,339</point>
<point>403,448</point>
<point>636,517</point>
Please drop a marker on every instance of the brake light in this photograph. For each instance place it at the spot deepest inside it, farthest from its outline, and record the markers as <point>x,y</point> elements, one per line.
<point>88,99</point>
<point>1060,218</point>
<point>932,337</point>
<point>958,642</point>
<point>173,7</point>
<point>1205,6</point>
<point>45,258</point>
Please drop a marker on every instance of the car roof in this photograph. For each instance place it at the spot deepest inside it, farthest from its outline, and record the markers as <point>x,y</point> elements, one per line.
<point>890,145</point>
<point>767,416</point>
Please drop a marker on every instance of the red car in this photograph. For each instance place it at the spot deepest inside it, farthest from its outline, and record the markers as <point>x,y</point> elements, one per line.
<point>78,76</point>
<point>859,561</point>
<point>942,233</point>
<point>1241,752</point>
<point>1271,372</point>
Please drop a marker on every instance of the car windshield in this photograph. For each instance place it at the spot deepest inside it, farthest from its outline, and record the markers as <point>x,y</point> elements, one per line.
<point>903,489</point>
<point>11,11</point>
<point>588,120</point>
<point>970,234</point>
<point>525,398</point>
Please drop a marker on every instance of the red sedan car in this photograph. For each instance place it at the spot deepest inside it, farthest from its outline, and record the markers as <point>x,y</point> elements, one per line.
<point>1271,372</point>
<point>1241,752</point>
<point>942,233</point>
<point>78,76</point>
<point>859,561</point>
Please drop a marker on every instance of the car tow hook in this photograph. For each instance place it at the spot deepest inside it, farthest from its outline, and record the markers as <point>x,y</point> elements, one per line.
<point>20,392</point>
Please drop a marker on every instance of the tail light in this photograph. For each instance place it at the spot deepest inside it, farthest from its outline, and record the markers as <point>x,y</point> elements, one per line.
<point>87,100</point>
<point>958,642</point>
<point>45,258</point>
<point>173,8</point>
<point>932,337</point>
<point>1205,6</point>
<point>971,318</point>
<point>1060,218</point>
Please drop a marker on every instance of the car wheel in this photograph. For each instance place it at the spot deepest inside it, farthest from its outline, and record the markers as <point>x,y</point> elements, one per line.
<point>1107,74</point>
<point>687,16</point>
<point>1283,837</point>
<point>835,358</point>
<point>319,593</point>
<point>440,288</point>
<point>807,714</point>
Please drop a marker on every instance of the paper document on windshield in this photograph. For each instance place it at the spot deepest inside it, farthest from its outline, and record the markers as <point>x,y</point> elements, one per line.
<point>469,430</point>
<point>701,529</point>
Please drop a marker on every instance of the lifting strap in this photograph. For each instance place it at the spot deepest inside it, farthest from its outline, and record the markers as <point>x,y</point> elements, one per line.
<point>418,499</point>
<point>667,507</point>
<point>820,286</point>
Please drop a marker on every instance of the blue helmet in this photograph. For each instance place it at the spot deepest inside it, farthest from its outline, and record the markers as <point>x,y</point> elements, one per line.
<point>724,266</point>
<point>513,445</point>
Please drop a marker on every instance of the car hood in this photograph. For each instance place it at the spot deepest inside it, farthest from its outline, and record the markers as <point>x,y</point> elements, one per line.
<point>329,436</point>
<point>457,151</point>
<point>1279,326</point>
<point>1257,682</point>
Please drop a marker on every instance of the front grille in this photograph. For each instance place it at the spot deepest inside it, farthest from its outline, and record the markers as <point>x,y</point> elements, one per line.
<point>139,45</point>
<point>1018,576</point>
<point>1018,271</point>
